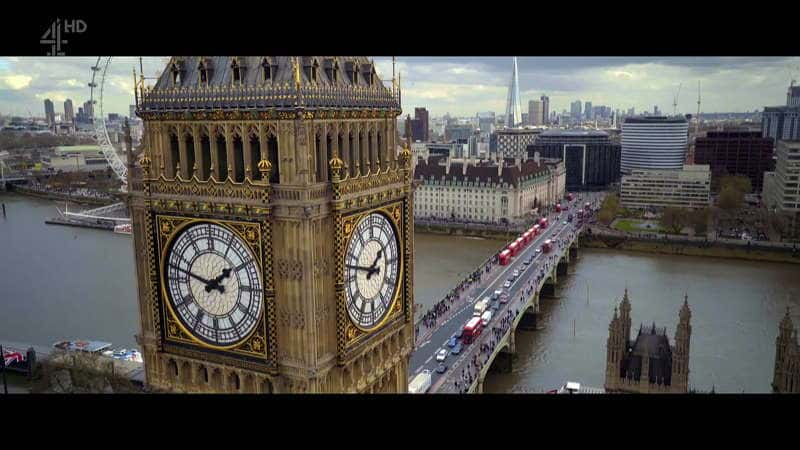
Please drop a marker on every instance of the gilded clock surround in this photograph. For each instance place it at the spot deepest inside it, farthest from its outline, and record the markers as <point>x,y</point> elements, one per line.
<point>335,161</point>
<point>353,333</point>
<point>254,345</point>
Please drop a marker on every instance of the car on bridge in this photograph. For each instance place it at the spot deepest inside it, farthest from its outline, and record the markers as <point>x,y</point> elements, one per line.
<point>441,355</point>
<point>452,341</point>
<point>507,284</point>
<point>497,294</point>
<point>441,368</point>
<point>457,349</point>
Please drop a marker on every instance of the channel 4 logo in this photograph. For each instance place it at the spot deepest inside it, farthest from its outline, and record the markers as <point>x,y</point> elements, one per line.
<point>54,35</point>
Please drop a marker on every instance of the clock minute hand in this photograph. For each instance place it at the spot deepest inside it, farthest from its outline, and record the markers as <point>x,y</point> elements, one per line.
<point>207,282</point>
<point>366,269</point>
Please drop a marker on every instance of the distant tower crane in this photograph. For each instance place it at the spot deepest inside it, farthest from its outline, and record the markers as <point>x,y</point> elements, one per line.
<point>675,101</point>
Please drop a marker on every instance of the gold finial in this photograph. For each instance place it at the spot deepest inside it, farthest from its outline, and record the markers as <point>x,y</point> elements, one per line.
<point>265,167</point>
<point>336,166</point>
<point>296,64</point>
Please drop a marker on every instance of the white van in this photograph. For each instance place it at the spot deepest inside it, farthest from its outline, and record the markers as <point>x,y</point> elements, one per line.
<point>480,307</point>
<point>486,317</point>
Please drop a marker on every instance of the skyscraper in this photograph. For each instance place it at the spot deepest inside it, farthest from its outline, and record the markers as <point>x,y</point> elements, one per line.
<point>535,113</point>
<point>575,110</point>
<point>49,112</point>
<point>69,111</point>
<point>587,111</point>
<point>513,106</point>
<point>545,108</point>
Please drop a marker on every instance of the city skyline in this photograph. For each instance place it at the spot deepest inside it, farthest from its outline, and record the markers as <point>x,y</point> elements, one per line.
<point>463,86</point>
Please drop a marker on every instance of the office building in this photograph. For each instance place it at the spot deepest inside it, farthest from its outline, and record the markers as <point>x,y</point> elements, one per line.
<point>486,121</point>
<point>781,192</point>
<point>458,132</point>
<point>88,111</point>
<point>545,109</point>
<point>783,122</point>
<point>654,143</point>
<point>535,113</point>
<point>575,110</point>
<point>587,111</point>
<point>736,152</point>
<point>686,188</point>
<point>485,191</point>
<point>591,159</point>
<point>49,112</point>
<point>512,142</point>
<point>69,111</point>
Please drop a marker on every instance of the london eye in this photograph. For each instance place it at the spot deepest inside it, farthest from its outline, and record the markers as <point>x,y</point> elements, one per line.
<point>99,70</point>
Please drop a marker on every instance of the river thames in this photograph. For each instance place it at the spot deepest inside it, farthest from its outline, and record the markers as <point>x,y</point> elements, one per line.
<point>63,283</point>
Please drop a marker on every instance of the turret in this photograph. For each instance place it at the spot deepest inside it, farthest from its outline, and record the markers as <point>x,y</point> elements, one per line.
<point>625,317</point>
<point>680,357</point>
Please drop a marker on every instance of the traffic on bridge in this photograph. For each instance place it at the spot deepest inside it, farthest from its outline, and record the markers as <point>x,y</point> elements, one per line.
<point>459,338</point>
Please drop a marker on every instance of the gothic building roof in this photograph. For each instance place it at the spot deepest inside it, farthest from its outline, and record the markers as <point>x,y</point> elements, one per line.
<point>651,343</point>
<point>192,83</point>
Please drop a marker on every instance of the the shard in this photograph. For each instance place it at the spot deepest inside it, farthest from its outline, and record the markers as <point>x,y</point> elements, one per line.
<point>513,106</point>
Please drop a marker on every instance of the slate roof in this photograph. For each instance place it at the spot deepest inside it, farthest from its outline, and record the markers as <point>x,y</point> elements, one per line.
<point>651,343</point>
<point>196,83</point>
<point>483,171</point>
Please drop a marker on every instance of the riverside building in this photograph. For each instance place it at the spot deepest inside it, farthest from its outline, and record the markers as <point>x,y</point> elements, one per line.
<point>654,142</point>
<point>687,188</point>
<point>486,191</point>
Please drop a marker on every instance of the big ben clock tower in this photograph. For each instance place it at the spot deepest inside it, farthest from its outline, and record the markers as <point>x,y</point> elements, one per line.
<point>273,229</point>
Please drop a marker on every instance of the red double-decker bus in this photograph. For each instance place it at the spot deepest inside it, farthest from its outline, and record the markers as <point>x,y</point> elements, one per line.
<point>570,197</point>
<point>505,257</point>
<point>543,223</point>
<point>527,236</point>
<point>535,230</point>
<point>513,248</point>
<point>520,243</point>
<point>547,246</point>
<point>472,330</point>
<point>558,207</point>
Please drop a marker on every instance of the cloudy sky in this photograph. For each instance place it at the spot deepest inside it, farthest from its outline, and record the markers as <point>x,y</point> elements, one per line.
<point>463,86</point>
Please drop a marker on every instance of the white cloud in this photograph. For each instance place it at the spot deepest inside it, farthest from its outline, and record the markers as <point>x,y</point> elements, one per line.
<point>16,82</point>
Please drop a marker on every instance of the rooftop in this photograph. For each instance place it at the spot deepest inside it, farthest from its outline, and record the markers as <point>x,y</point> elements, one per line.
<point>655,119</point>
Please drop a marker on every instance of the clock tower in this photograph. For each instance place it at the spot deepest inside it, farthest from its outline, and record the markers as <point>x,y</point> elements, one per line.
<point>273,231</point>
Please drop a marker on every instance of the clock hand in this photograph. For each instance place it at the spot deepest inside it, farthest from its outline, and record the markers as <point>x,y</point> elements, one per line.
<point>192,275</point>
<point>366,269</point>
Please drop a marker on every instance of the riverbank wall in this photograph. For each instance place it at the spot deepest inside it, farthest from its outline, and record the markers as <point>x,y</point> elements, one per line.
<point>61,197</point>
<point>460,230</point>
<point>684,248</point>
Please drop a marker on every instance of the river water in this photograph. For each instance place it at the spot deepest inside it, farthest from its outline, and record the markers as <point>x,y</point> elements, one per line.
<point>61,282</point>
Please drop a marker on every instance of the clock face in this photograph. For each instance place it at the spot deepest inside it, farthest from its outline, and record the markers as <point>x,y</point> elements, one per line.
<point>372,269</point>
<point>213,284</point>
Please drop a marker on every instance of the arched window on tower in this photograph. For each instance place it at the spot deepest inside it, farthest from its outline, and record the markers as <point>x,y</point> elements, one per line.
<point>314,71</point>
<point>175,156</point>
<point>266,70</point>
<point>222,157</point>
<point>205,151</point>
<point>238,159</point>
<point>272,155</point>
<point>236,71</point>
<point>176,74</point>
<point>351,154</point>
<point>201,68</point>
<point>255,156</point>
<point>320,156</point>
<point>328,156</point>
<point>188,142</point>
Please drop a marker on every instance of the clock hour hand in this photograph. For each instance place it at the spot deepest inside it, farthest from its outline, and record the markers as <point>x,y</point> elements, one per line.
<point>373,269</point>
<point>366,269</point>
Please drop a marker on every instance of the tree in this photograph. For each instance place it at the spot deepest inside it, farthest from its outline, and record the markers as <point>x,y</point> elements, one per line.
<point>730,199</point>
<point>698,219</point>
<point>605,216</point>
<point>673,219</point>
<point>740,183</point>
